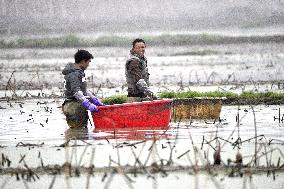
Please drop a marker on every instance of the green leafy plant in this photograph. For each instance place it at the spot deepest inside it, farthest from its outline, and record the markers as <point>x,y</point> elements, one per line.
<point>116,99</point>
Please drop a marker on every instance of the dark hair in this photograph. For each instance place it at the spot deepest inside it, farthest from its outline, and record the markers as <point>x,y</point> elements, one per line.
<point>138,40</point>
<point>82,55</point>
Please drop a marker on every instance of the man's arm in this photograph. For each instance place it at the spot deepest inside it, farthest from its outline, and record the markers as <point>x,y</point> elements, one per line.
<point>75,83</point>
<point>85,102</point>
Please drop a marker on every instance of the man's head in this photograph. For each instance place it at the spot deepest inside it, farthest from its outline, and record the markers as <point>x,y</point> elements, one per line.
<point>138,46</point>
<point>83,58</point>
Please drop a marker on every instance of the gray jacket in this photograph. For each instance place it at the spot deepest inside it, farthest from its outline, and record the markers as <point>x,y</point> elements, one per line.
<point>74,81</point>
<point>136,70</point>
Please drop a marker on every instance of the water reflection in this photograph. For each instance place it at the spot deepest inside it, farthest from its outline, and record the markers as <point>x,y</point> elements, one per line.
<point>76,133</point>
<point>121,133</point>
<point>132,134</point>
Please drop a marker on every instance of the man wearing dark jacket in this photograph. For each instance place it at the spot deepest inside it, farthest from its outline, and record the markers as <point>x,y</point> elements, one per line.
<point>136,71</point>
<point>77,98</point>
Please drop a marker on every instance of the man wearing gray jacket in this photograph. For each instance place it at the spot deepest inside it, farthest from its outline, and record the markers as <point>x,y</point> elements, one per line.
<point>136,71</point>
<point>77,98</point>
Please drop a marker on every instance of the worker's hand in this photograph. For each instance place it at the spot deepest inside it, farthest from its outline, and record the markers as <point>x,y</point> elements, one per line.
<point>148,93</point>
<point>97,102</point>
<point>90,106</point>
<point>155,97</point>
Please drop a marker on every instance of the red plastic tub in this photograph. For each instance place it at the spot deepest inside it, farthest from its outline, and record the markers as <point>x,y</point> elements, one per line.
<point>148,114</point>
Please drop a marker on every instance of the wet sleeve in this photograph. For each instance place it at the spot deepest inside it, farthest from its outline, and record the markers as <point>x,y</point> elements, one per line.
<point>79,96</point>
<point>90,94</point>
<point>134,70</point>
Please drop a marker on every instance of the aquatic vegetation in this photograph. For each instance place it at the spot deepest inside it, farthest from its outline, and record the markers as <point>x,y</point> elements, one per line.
<point>70,40</point>
<point>73,40</point>
<point>110,41</point>
<point>116,99</point>
<point>230,97</point>
<point>227,97</point>
<point>192,94</point>
<point>249,94</point>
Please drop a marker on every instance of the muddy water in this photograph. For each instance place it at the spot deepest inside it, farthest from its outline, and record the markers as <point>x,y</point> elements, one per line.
<point>174,180</point>
<point>169,66</point>
<point>33,133</point>
<point>42,120</point>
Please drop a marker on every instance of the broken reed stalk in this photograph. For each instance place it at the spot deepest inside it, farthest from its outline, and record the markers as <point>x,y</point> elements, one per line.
<point>141,166</point>
<point>266,158</point>
<point>91,168</point>
<point>67,170</point>
<point>149,153</point>
<point>269,152</point>
<point>255,135</point>
<point>208,170</point>
<point>52,181</point>
<point>195,163</point>
<point>82,155</point>
<point>120,170</point>
<point>9,86</point>
<point>238,122</point>
<point>73,153</point>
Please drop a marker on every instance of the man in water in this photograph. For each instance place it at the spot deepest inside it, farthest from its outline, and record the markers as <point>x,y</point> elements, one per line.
<point>77,98</point>
<point>136,71</point>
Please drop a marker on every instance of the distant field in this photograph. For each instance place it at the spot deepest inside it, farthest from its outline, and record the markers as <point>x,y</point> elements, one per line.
<point>73,40</point>
<point>183,67</point>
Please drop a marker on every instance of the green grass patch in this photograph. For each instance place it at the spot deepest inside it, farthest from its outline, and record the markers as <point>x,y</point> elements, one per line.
<point>70,40</point>
<point>111,41</point>
<point>247,96</point>
<point>252,95</point>
<point>116,99</point>
<point>192,94</point>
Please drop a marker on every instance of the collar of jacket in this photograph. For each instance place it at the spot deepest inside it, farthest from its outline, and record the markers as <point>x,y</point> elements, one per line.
<point>132,53</point>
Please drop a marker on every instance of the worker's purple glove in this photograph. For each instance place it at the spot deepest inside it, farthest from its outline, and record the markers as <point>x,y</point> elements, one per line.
<point>97,102</point>
<point>90,106</point>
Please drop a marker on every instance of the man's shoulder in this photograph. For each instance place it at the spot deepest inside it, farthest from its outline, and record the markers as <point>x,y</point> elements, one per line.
<point>132,61</point>
<point>133,58</point>
<point>75,73</point>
